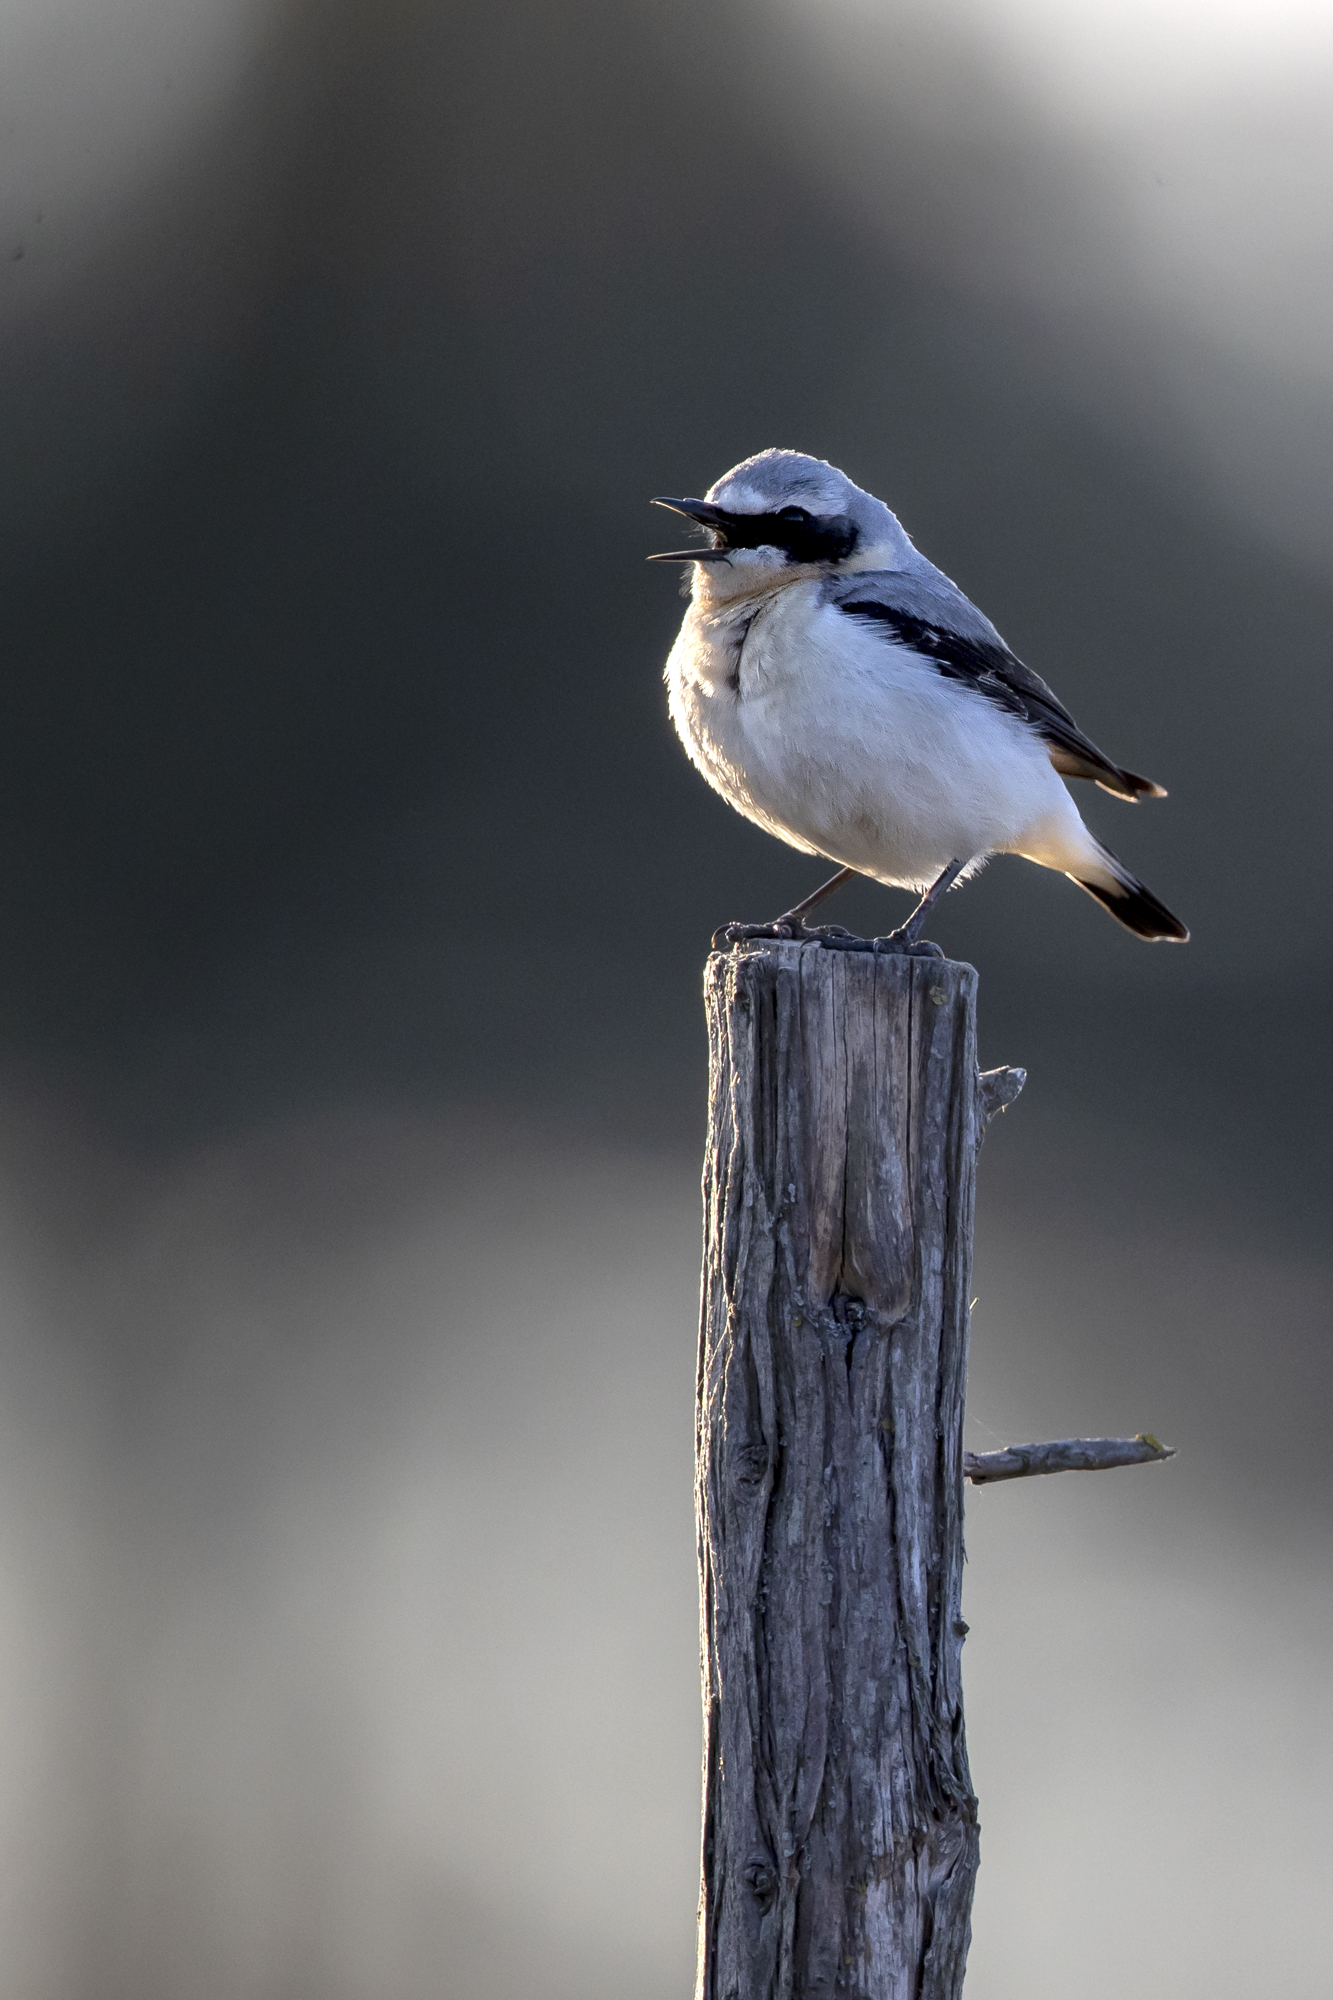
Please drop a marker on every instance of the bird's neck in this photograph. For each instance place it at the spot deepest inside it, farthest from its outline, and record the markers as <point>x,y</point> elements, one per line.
<point>718,590</point>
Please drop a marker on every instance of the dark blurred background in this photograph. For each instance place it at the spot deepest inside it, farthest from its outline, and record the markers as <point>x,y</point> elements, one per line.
<point>353,900</point>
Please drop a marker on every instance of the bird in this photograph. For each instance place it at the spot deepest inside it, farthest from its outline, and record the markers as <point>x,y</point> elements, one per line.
<point>845,695</point>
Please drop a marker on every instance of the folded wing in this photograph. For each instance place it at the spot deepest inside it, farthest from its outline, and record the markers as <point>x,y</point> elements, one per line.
<point>963,646</point>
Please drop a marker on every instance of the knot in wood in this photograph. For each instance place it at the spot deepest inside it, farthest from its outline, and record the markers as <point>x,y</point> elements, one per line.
<point>848,1312</point>
<point>750,1463</point>
<point>761,1879</point>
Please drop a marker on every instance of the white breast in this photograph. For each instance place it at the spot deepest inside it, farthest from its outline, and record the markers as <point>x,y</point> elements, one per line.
<point>814,726</point>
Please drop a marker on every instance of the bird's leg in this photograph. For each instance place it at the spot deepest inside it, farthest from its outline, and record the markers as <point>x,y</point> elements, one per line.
<point>907,938</point>
<point>791,924</point>
<point>797,914</point>
<point>908,933</point>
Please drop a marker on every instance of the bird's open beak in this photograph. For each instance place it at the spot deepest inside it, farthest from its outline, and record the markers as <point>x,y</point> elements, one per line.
<point>708,516</point>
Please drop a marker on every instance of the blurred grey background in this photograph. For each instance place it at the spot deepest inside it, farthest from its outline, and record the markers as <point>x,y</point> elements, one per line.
<point>353,900</point>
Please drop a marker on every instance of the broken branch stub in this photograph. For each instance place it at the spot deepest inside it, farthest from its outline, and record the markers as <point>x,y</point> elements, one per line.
<point>1030,1461</point>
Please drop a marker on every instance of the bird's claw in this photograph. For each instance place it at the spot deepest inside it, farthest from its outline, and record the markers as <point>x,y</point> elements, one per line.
<point>784,930</point>
<point>898,944</point>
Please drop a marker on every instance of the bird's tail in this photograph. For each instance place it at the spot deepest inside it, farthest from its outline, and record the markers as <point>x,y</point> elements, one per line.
<point>1128,901</point>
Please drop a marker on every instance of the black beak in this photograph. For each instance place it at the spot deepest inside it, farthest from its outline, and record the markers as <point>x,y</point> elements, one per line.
<point>708,516</point>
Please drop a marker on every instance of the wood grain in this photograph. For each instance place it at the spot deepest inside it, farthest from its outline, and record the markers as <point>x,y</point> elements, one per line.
<point>840,1827</point>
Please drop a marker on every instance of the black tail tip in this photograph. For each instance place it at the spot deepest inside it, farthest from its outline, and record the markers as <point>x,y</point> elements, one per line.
<point>1138,910</point>
<point>1143,788</point>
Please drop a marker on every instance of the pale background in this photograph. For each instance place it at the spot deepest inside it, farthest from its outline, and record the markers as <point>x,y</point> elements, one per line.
<point>353,897</point>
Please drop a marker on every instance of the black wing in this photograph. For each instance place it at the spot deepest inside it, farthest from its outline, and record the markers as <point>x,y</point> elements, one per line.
<point>990,669</point>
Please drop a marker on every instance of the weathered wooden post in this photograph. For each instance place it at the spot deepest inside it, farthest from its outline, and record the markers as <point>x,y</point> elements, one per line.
<point>840,1840</point>
<point>840,1827</point>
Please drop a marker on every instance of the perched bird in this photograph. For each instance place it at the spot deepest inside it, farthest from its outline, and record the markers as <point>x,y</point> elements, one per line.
<point>840,691</point>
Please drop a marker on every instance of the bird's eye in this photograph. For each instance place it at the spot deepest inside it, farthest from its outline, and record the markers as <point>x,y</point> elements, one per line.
<point>793,514</point>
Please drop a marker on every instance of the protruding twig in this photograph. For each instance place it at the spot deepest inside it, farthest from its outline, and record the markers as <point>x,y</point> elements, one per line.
<point>1026,1461</point>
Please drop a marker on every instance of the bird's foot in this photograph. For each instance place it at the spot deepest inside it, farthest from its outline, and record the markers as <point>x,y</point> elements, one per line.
<point>785,930</point>
<point>833,937</point>
<point>898,944</point>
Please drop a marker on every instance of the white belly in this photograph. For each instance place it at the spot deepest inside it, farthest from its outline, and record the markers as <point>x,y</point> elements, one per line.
<point>842,744</point>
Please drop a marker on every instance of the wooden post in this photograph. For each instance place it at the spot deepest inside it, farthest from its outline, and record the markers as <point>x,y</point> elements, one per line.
<point>840,1837</point>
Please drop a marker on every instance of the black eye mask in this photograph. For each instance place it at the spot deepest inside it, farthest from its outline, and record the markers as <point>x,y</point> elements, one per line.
<point>803,538</point>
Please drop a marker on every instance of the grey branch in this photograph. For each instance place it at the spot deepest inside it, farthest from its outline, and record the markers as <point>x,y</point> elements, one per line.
<point>1027,1461</point>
